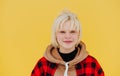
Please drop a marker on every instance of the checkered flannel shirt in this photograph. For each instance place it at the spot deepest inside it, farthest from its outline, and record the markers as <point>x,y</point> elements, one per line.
<point>88,67</point>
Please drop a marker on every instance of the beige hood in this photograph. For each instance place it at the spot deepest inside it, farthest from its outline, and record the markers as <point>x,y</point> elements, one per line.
<point>52,55</point>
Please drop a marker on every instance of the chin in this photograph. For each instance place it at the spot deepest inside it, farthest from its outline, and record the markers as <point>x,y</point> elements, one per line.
<point>68,47</point>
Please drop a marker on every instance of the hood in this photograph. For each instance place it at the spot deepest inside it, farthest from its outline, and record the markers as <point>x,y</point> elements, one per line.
<point>52,55</point>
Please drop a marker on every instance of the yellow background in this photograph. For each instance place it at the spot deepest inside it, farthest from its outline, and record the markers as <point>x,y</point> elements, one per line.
<point>25,32</point>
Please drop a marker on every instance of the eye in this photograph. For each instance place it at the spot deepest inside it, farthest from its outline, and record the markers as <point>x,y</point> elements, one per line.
<point>62,31</point>
<point>73,31</point>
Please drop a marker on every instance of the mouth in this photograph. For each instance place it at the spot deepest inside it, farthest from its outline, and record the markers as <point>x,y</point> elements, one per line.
<point>67,42</point>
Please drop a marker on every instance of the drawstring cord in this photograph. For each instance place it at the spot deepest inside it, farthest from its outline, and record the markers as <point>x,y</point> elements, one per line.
<point>66,70</point>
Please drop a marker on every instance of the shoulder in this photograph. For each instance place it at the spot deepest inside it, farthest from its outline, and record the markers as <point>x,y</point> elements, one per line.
<point>91,66</point>
<point>42,61</point>
<point>92,61</point>
<point>95,65</point>
<point>90,58</point>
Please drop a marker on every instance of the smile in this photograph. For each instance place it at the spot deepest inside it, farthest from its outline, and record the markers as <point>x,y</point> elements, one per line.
<point>68,42</point>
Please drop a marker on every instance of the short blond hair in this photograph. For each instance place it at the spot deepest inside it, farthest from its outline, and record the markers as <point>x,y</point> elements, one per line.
<point>62,18</point>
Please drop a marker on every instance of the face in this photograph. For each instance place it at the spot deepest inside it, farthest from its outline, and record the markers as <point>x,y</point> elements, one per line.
<point>67,38</point>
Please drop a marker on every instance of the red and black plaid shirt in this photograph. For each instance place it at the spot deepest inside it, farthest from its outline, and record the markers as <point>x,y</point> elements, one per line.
<point>88,67</point>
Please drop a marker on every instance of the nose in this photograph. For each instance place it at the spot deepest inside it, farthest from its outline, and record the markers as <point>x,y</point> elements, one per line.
<point>67,35</point>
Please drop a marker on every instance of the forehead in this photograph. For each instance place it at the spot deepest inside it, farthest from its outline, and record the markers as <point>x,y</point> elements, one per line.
<point>67,25</point>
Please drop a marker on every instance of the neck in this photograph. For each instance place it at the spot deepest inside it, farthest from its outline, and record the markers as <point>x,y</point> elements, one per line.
<point>68,56</point>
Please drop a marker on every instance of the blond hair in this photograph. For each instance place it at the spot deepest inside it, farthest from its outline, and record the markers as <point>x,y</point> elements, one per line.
<point>62,18</point>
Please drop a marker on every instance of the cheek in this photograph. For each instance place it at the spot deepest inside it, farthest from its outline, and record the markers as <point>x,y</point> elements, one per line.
<point>59,37</point>
<point>75,36</point>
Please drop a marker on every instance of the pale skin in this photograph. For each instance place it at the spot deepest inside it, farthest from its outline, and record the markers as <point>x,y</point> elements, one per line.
<point>67,38</point>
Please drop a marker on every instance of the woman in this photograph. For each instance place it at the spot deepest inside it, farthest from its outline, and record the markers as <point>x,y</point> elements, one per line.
<point>67,55</point>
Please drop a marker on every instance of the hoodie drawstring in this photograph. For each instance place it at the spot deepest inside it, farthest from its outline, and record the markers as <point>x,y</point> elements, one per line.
<point>66,70</point>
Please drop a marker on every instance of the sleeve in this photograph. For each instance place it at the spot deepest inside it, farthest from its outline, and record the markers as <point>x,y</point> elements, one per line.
<point>99,71</point>
<point>38,69</point>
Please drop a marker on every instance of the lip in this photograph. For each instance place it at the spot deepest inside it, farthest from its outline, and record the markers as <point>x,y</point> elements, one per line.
<point>68,42</point>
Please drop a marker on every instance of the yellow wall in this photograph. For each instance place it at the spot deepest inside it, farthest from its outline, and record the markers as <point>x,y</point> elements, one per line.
<point>25,31</point>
